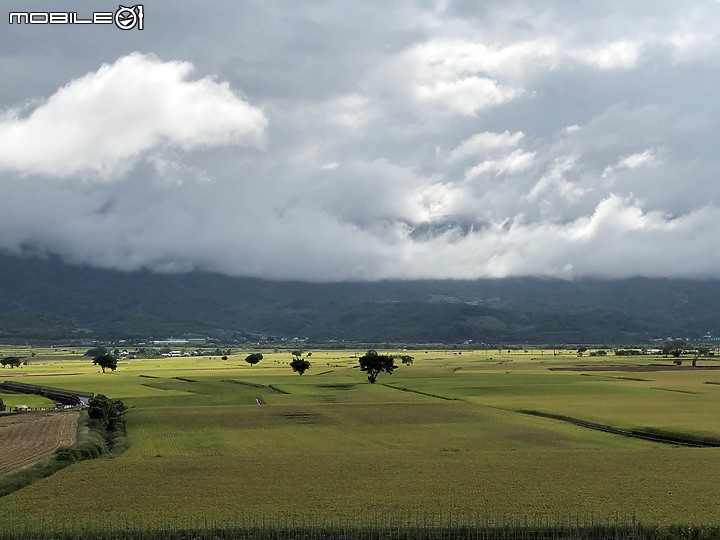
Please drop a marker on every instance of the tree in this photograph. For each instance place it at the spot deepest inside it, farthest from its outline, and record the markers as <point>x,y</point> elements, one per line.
<point>109,412</point>
<point>254,358</point>
<point>676,348</point>
<point>12,361</point>
<point>406,359</point>
<point>701,350</point>
<point>300,365</point>
<point>297,353</point>
<point>95,351</point>
<point>106,361</point>
<point>373,364</point>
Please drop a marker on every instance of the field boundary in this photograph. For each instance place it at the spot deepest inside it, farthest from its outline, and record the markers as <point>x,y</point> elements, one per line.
<point>674,390</point>
<point>404,389</point>
<point>611,377</point>
<point>635,433</point>
<point>255,385</point>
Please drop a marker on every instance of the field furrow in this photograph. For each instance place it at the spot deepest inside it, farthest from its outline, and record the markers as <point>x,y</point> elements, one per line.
<point>27,438</point>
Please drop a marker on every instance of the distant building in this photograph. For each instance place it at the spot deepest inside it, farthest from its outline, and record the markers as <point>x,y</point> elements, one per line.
<point>176,354</point>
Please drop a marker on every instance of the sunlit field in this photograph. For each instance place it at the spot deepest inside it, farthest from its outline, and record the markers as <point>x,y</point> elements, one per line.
<point>220,440</point>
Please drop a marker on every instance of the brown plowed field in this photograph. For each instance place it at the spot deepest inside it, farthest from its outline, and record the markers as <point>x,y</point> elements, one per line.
<point>28,437</point>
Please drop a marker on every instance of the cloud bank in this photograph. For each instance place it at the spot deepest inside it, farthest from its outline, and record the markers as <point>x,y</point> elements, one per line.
<point>437,140</point>
<point>101,124</point>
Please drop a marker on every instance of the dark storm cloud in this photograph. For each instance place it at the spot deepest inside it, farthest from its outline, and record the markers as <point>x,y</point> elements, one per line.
<point>367,140</point>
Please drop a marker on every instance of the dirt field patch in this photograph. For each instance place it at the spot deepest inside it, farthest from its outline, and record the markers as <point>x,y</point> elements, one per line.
<point>27,438</point>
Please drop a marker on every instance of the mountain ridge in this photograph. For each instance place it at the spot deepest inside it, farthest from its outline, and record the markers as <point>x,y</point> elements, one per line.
<point>46,298</point>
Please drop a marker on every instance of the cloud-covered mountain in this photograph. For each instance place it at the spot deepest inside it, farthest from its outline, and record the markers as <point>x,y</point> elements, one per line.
<point>44,299</point>
<point>368,140</point>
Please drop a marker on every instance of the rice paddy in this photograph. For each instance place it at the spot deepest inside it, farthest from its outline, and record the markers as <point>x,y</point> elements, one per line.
<point>222,441</point>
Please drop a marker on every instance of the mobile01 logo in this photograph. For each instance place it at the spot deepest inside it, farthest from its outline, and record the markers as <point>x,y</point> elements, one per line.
<point>124,18</point>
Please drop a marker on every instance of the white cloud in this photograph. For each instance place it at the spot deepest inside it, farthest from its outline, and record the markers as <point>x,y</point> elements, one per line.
<point>642,159</point>
<point>465,96</point>
<point>554,181</point>
<point>646,158</point>
<point>484,142</point>
<point>100,124</point>
<point>616,55</point>
<point>435,200</point>
<point>464,77</point>
<point>352,110</point>
<point>513,163</point>
<point>447,59</point>
<point>460,77</point>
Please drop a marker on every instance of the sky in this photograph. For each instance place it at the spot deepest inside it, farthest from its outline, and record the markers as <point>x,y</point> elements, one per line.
<point>346,140</point>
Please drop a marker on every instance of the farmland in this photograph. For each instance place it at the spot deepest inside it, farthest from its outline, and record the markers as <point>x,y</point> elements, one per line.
<point>27,438</point>
<point>442,435</point>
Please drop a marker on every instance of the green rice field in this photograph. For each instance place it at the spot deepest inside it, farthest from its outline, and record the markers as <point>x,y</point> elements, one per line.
<point>222,441</point>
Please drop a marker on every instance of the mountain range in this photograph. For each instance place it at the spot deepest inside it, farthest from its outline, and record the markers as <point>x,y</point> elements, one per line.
<point>47,299</point>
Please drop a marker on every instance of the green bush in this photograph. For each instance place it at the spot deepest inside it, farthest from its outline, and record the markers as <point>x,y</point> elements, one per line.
<point>65,454</point>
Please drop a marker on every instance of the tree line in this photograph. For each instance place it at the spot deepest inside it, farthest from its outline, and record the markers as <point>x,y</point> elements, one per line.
<point>372,363</point>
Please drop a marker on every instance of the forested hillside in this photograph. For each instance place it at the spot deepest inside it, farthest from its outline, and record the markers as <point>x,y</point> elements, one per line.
<point>45,298</point>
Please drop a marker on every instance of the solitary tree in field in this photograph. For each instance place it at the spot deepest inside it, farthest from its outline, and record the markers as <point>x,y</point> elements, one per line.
<point>297,353</point>
<point>676,348</point>
<point>300,365</point>
<point>106,361</point>
<point>700,350</point>
<point>12,361</point>
<point>406,359</point>
<point>373,364</point>
<point>254,358</point>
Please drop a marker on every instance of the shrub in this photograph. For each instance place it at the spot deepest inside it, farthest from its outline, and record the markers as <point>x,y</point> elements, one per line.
<point>65,454</point>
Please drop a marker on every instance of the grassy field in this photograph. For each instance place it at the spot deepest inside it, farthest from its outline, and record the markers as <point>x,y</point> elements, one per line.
<point>441,435</point>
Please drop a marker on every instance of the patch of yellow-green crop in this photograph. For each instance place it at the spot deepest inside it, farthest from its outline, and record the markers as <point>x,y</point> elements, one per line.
<point>11,400</point>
